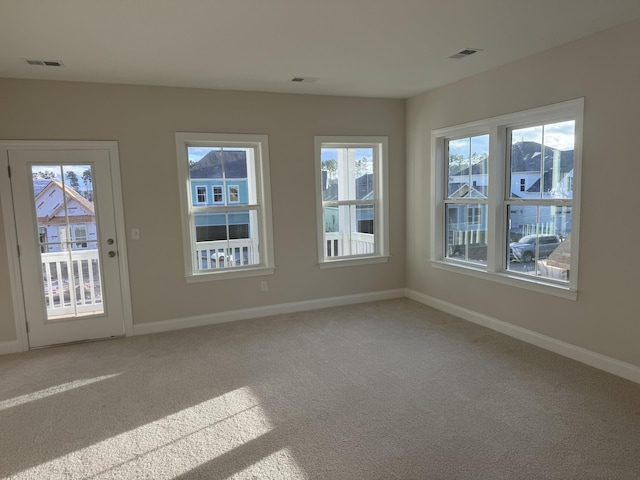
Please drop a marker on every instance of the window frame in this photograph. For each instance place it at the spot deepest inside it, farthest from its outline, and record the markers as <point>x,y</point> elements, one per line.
<point>204,192</point>
<point>498,129</point>
<point>260,144</point>
<point>237,189</point>
<point>213,193</point>
<point>380,202</point>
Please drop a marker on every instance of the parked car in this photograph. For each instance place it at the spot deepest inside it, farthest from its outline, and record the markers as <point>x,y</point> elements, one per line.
<point>525,249</point>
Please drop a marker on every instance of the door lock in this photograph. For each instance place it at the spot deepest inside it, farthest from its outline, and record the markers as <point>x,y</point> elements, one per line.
<point>112,254</point>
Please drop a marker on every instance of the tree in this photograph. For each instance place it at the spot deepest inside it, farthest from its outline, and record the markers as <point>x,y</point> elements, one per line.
<point>86,178</point>
<point>458,162</point>
<point>73,180</point>
<point>45,175</point>
<point>330,166</point>
<point>361,167</point>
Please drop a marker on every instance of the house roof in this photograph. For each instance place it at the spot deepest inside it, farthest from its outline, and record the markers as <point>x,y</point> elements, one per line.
<point>71,195</point>
<point>547,186</point>
<point>211,165</point>
<point>463,190</point>
<point>364,188</point>
<point>526,157</point>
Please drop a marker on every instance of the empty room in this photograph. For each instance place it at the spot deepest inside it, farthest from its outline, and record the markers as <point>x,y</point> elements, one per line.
<point>319,240</point>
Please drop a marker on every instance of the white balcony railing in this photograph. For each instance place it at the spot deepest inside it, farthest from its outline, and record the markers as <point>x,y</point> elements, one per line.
<point>72,283</point>
<point>338,244</point>
<point>227,253</point>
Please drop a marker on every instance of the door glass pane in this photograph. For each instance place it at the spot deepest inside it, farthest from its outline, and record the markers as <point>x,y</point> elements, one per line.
<point>67,236</point>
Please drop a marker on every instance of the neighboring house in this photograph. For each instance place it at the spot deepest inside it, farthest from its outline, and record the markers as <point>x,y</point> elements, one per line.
<point>217,183</point>
<point>53,217</point>
<point>528,176</point>
<point>364,214</point>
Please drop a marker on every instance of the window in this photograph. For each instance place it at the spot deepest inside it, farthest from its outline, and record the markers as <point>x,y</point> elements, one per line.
<point>351,200</point>
<point>74,236</point>
<point>201,195</point>
<point>466,202</point>
<point>43,239</point>
<point>234,194</point>
<point>79,234</point>
<point>217,194</point>
<point>230,237</point>
<point>507,198</point>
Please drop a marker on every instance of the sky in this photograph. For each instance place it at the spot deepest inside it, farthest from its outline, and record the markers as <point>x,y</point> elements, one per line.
<point>560,136</point>
<point>196,153</point>
<point>331,154</point>
<point>78,169</point>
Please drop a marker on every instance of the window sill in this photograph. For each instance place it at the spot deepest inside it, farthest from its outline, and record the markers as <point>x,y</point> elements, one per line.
<point>229,274</point>
<point>534,284</point>
<point>351,261</point>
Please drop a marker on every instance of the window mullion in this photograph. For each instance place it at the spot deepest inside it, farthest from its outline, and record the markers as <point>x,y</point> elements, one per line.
<point>496,231</point>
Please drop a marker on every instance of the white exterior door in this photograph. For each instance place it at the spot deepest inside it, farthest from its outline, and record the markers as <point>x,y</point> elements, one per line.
<point>69,255</point>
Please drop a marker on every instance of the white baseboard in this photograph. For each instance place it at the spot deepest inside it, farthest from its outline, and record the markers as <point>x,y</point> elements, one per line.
<point>602,362</point>
<point>247,313</point>
<point>10,347</point>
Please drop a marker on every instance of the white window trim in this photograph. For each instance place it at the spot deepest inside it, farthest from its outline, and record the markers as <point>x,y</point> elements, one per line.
<point>263,192</point>
<point>213,193</point>
<point>204,187</point>
<point>381,190</point>
<point>497,127</point>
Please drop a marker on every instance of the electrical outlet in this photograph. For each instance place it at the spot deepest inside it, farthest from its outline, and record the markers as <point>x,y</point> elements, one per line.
<point>263,286</point>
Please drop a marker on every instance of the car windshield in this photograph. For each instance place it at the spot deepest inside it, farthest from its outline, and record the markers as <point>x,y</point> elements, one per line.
<point>529,239</point>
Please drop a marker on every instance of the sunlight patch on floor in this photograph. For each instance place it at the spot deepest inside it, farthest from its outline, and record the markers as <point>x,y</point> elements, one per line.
<point>165,448</point>
<point>47,392</point>
<point>279,465</point>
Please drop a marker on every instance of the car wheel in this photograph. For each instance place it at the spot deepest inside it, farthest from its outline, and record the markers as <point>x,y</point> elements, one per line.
<point>527,257</point>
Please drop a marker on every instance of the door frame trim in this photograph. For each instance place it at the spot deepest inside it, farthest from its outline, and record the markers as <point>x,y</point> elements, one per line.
<point>11,235</point>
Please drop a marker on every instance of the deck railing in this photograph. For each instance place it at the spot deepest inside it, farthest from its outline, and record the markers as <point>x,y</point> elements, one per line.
<point>338,244</point>
<point>71,282</point>
<point>227,253</point>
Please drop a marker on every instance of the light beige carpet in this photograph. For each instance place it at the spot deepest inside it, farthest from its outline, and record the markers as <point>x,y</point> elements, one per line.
<point>385,390</point>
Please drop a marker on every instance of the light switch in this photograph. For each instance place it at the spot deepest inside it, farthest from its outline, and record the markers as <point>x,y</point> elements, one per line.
<point>135,234</point>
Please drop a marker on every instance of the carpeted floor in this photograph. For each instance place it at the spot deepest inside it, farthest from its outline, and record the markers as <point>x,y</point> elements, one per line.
<point>385,390</point>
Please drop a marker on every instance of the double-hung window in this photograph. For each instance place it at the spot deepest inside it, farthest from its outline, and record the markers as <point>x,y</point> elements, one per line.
<point>466,199</point>
<point>230,235</point>
<point>507,198</point>
<point>352,211</point>
<point>217,194</point>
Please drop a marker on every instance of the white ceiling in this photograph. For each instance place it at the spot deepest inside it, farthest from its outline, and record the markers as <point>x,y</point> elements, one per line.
<point>377,48</point>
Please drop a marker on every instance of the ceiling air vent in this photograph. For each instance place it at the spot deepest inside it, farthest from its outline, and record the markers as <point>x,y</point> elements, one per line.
<point>44,63</point>
<point>304,79</point>
<point>465,53</point>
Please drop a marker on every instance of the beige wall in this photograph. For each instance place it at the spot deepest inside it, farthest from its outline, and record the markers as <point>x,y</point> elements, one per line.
<point>144,120</point>
<point>603,68</point>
